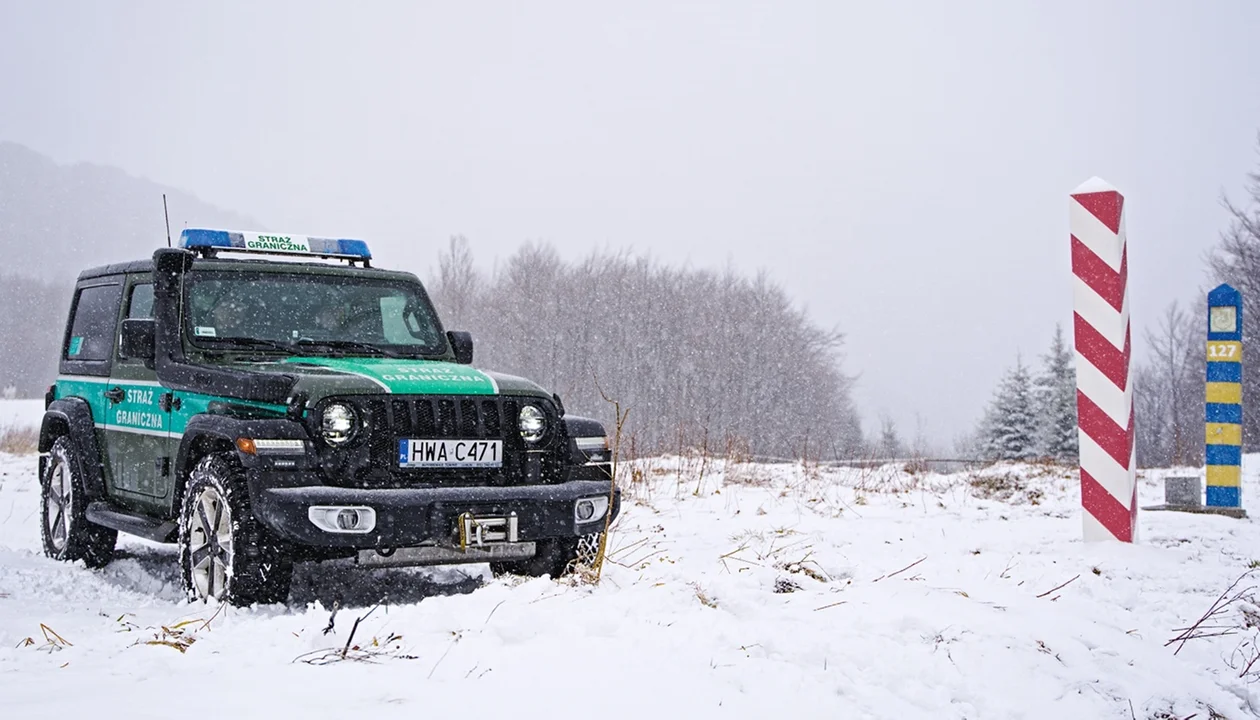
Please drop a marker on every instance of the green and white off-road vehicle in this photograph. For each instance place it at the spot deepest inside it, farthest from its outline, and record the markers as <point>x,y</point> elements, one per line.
<point>261,411</point>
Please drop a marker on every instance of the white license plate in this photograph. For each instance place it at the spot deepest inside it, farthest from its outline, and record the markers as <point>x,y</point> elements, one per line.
<point>413,453</point>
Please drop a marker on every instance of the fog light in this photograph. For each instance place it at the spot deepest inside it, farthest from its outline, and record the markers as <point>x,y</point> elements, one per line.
<point>590,509</point>
<point>348,519</point>
<point>342,519</point>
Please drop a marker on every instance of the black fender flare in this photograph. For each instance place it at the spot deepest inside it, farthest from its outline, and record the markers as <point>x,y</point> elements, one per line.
<point>210,432</point>
<point>72,417</point>
<point>220,432</point>
<point>577,426</point>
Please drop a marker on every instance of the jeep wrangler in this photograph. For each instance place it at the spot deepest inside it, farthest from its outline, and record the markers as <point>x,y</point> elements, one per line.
<point>262,400</point>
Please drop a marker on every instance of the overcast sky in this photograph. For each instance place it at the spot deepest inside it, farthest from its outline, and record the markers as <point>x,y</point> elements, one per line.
<point>902,167</point>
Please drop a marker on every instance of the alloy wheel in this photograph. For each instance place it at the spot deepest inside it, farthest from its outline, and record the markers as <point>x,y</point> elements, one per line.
<point>210,550</point>
<point>60,502</point>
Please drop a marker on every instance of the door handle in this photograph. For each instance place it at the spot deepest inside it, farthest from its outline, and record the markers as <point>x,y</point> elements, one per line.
<point>115,394</point>
<point>167,401</point>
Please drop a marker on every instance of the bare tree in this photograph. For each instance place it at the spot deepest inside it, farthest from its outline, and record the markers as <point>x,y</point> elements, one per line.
<point>1236,260</point>
<point>1168,392</point>
<point>458,284</point>
<point>890,445</point>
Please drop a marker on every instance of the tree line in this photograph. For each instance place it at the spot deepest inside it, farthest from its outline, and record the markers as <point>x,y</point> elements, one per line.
<point>696,356</point>
<point>1168,384</point>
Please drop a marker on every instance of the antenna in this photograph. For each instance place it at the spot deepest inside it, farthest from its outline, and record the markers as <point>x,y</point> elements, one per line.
<point>168,220</point>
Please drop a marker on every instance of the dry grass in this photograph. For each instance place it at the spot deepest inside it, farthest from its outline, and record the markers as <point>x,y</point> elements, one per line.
<point>19,440</point>
<point>52,641</point>
<point>1018,485</point>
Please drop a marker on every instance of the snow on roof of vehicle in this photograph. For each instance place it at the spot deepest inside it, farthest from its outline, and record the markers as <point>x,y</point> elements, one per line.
<point>209,241</point>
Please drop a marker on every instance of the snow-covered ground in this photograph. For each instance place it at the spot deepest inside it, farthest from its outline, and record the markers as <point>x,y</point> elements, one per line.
<point>21,413</point>
<point>753,591</point>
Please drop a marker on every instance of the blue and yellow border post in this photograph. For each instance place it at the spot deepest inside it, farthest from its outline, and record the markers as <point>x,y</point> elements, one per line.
<point>1224,399</point>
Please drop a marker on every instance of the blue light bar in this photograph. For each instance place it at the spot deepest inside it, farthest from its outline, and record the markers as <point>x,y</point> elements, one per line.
<point>273,243</point>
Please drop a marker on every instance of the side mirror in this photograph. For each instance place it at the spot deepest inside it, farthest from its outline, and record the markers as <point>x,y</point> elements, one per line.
<point>138,338</point>
<point>462,344</point>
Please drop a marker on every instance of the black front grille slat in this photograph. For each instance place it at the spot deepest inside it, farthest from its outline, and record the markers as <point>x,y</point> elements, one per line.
<point>401,417</point>
<point>510,412</point>
<point>446,418</point>
<point>490,418</point>
<point>469,419</point>
<point>425,423</point>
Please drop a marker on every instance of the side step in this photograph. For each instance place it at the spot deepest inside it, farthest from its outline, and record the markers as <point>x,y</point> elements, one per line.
<point>113,517</point>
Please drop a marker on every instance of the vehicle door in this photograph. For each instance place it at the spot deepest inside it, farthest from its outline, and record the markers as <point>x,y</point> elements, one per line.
<point>87,352</point>
<point>138,417</point>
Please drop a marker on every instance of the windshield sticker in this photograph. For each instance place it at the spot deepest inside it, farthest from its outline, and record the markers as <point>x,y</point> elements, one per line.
<point>204,331</point>
<point>76,345</point>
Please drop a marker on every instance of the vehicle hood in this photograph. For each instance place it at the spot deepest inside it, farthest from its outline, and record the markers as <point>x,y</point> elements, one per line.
<point>322,376</point>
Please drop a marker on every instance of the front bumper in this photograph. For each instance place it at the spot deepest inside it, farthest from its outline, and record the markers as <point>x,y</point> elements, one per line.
<point>413,516</point>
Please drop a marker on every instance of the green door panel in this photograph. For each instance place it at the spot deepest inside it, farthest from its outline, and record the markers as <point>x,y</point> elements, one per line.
<point>137,427</point>
<point>138,434</point>
<point>133,429</point>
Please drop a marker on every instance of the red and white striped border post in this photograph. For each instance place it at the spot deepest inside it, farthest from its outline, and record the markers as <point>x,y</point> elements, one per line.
<point>1104,391</point>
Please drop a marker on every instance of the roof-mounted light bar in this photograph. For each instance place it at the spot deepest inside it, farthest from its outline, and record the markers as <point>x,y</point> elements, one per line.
<point>208,242</point>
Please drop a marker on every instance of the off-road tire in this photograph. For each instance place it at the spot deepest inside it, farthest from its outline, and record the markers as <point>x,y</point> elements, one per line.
<point>555,557</point>
<point>68,535</point>
<point>260,568</point>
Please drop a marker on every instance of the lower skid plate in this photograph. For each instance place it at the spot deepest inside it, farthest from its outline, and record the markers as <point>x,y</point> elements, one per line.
<point>439,555</point>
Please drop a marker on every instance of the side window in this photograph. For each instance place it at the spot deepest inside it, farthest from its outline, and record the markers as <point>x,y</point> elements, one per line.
<point>92,329</point>
<point>141,303</point>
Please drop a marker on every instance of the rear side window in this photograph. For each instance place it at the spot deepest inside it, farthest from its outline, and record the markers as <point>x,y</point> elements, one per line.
<point>92,329</point>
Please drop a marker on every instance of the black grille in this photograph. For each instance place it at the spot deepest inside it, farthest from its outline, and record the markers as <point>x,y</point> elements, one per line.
<point>447,417</point>
<point>372,460</point>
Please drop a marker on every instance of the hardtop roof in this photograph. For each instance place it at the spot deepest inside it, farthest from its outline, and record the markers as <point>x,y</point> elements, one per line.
<point>270,264</point>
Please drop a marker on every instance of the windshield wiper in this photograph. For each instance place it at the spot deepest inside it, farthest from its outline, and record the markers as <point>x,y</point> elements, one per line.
<point>250,342</point>
<point>347,345</point>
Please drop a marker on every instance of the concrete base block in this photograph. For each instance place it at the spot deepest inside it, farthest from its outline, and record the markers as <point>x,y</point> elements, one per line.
<point>1185,494</point>
<point>1183,491</point>
<point>1201,509</point>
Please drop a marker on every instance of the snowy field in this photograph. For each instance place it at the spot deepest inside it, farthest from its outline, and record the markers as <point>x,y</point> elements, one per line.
<point>21,413</point>
<point>742,591</point>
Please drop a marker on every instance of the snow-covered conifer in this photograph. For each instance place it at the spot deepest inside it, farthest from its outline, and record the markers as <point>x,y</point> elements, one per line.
<point>1056,402</point>
<point>1008,431</point>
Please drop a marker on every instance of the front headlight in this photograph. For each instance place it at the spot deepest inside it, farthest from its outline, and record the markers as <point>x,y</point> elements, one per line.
<point>338,423</point>
<point>532,423</point>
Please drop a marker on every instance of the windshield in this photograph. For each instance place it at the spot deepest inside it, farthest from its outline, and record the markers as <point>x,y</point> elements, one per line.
<point>312,314</point>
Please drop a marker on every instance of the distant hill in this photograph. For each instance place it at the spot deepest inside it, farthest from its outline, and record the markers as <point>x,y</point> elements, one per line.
<point>57,219</point>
